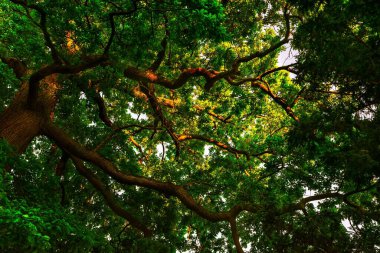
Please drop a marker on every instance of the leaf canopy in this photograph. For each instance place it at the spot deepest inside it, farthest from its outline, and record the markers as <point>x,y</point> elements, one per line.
<point>176,128</point>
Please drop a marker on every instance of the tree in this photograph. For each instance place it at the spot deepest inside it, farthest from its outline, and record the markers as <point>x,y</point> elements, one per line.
<point>163,126</point>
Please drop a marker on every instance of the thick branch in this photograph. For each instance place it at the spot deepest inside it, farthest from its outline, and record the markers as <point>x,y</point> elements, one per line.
<point>37,76</point>
<point>149,76</point>
<point>108,196</point>
<point>235,235</point>
<point>167,188</point>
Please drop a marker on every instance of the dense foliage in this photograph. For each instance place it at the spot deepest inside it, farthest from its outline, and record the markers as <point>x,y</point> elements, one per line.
<point>173,126</point>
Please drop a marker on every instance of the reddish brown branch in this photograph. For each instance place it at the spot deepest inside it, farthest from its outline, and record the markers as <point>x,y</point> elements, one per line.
<point>149,76</point>
<point>149,93</point>
<point>280,101</point>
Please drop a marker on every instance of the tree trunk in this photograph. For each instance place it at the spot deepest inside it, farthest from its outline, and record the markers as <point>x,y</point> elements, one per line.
<point>19,126</point>
<point>19,123</point>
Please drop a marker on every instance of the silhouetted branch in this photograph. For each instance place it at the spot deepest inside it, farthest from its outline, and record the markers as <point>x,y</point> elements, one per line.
<point>43,27</point>
<point>111,18</point>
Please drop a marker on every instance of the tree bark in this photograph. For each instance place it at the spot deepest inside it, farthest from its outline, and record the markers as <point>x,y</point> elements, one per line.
<point>18,127</point>
<point>20,124</point>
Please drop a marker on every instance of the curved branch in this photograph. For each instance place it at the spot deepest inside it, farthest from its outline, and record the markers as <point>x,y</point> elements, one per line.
<point>159,115</point>
<point>264,86</point>
<point>111,17</point>
<point>211,77</point>
<point>173,103</point>
<point>103,115</point>
<point>185,137</point>
<point>321,196</point>
<point>149,76</point>
<point>18,67</point>
<point>300,205</point>
<point>37,76</point>
<point>166,188</point>
<point>279,100</point>
<point>353,205</point>
<point>259,77</point>
<point>268,72</point>
<point>213,114</point>
<point>108,196</point>
<point>263,53</point>
<point>119,129</point>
